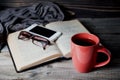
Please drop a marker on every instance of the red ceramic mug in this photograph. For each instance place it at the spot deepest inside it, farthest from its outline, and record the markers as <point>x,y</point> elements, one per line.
<point>85,47</point>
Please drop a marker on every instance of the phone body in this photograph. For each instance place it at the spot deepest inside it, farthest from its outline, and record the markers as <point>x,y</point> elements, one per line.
<point>41,31</point>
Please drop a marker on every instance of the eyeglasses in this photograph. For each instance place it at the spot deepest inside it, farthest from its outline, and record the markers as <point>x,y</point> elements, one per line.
<point>37,40</point>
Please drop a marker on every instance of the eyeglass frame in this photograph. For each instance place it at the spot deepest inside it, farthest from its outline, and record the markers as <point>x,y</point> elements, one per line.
<point>32,36</point>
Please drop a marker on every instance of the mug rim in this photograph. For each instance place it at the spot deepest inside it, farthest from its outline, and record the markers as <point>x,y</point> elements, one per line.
<point>96,40</point>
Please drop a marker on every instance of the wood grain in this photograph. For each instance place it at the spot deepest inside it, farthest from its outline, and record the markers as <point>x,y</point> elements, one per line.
<point>59,69</point>
<point>82,8</point>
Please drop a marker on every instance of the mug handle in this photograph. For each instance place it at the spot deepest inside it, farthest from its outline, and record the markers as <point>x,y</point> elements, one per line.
<point>102,49</point>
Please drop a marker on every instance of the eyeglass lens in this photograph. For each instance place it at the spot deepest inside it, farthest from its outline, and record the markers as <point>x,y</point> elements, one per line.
<point>37,40</point>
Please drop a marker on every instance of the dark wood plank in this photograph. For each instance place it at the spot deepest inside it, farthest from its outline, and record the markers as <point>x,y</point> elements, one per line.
<point>108,30</point>
<point>82,8</point>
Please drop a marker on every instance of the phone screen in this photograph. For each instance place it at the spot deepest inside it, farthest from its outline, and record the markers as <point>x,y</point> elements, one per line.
<point>43,31</point>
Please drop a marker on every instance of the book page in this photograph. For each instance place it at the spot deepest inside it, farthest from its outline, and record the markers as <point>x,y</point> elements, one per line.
<point>68,29</point>
<point>26,54</point>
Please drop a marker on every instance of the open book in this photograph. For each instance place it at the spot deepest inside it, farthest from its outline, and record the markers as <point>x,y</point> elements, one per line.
<point>25,54</point>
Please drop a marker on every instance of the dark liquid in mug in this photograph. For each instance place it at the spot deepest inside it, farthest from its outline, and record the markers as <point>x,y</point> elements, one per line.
<point>84,42</point>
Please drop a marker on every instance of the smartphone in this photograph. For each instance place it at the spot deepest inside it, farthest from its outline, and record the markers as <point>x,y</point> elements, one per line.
<point>40,30</point>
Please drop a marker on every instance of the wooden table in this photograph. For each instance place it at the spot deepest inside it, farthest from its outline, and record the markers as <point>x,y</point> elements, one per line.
<point>62,69</point>
<point>59,69</point>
